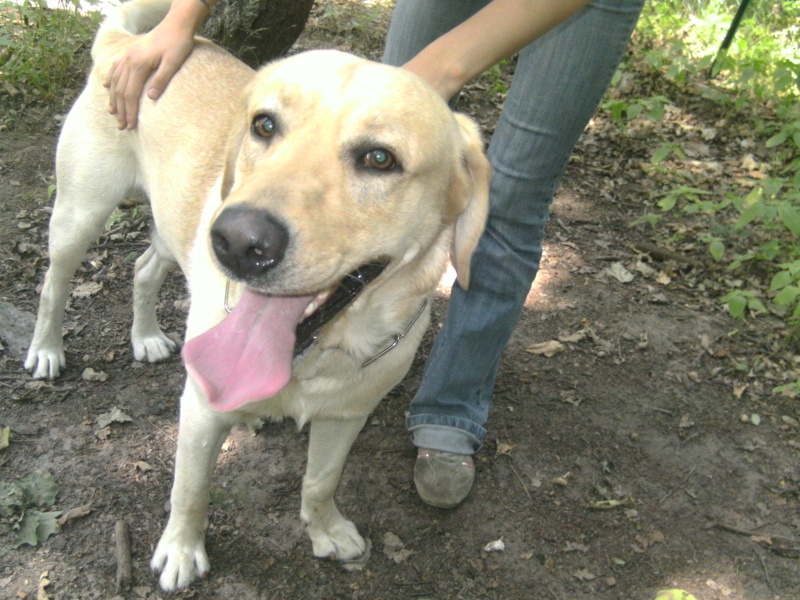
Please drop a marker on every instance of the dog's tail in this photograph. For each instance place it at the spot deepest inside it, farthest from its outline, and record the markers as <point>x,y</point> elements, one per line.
<point>135,17</point>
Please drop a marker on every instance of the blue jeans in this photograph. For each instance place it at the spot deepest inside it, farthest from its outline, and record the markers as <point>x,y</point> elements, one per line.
<point>559,81</point>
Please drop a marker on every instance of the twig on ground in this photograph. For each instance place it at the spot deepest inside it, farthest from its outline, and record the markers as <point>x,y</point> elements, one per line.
<point>751,533</point>
<point>522,483</point>
<point>680,485</point>
<point>766,573</point>
<point>122,551</point>
<point>662,254</point>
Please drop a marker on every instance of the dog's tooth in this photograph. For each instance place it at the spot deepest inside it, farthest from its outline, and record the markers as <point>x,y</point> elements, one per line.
<point>314,305</point>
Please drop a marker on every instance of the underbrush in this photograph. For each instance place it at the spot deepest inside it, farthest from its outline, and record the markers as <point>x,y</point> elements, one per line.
<point>725,154</point>
<point>43,51</point>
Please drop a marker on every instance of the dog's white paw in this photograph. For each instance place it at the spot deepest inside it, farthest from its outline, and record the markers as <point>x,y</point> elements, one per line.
<point>153,348</point>
<point>340,540</point>
<point>180,559</point>
<point>45,363</point>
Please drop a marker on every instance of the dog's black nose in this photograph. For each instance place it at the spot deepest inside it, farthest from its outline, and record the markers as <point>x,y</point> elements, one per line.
<point>248,241</point>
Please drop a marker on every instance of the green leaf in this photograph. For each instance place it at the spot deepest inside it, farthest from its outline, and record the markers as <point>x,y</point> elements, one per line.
<point>634,110</point>
<point>717,250</point>
<point>777,139</point>
<point>668,203</point>
<point>736,304</point>
<point>750,214</point>
<point>790,217</point>
<point>780,280</point>
<point>11,497</point>
<point>787,295</point>
<point>26,534</point>
<point>48,525</point>
<point>660,154</point>
<point>36,527</point>
<point>40,488</point>
<point>755,304</point>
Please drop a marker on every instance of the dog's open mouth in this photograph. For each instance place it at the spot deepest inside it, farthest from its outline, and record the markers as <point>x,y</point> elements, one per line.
<point>248,356</point>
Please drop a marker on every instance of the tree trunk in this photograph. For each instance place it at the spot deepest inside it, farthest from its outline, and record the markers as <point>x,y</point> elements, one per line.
<point>257,31</point>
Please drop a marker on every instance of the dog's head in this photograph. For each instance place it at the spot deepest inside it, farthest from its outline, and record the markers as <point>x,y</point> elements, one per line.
<point>336,162</point>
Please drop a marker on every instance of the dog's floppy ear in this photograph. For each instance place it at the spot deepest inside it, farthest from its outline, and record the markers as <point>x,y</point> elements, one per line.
<point>239,129</point>
<point>469,197</point>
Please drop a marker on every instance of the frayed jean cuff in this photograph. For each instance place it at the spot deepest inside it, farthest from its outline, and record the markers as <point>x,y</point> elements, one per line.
<point>444,433</point>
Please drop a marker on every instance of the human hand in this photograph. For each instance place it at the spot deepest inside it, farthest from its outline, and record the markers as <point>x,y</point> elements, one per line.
<point>162,50</point>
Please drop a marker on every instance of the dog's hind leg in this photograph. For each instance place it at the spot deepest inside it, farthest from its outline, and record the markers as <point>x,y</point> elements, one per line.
<point>150,343</point>
<point>91,183</point>
<point>332,536</point>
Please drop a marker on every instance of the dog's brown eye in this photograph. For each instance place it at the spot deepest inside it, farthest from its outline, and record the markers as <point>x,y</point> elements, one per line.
<point>379,159</point>
<point>264,126</point>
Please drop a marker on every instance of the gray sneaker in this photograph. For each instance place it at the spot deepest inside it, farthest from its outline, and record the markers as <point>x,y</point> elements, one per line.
<point>443,479</point>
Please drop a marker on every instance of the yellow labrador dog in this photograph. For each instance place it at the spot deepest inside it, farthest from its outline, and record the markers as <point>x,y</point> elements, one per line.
<point>312,206</point>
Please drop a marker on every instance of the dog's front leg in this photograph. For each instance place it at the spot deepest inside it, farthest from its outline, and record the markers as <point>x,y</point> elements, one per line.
<point>332,536</point>
<point>181,555</point>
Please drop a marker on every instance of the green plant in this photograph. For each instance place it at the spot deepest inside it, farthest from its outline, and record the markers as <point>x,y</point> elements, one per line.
<point>42,50</point>
<point>21,501</point>
<point>748,223</point>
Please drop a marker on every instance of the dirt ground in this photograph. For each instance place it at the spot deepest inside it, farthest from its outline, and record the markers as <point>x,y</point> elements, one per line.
<point>644,455</point>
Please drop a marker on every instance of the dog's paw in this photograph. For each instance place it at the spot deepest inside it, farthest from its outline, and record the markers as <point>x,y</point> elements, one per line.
<point>340,540</point>
<point>153,348</point>
<point>45,363</point>
<point>180,561</point>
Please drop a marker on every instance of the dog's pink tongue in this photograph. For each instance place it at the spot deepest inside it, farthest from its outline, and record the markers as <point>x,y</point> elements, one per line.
<point>248,356</point>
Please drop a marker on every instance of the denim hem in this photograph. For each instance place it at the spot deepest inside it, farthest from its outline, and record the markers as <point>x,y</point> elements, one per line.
<point>445,433</point>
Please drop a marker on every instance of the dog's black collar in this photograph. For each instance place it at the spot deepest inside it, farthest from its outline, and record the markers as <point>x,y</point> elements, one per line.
<point>347,291</point>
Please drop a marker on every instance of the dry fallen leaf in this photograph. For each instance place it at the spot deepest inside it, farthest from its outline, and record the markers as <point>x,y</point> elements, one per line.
<point>609,504</point>
<point>620,273</point>
<point>585,575</point>
<point>41,592</point>
<point>115,415</point>
<point>89,374</point>
<point>85,290</point>
<point>663,279</point>
<point>547,349</point>
<point>74,513</point>
<point>495,546</point>
<point>562,480</point>
<point>394,548</point>
<point>503,448</point>
<point>575,547</point>
<point>574,337</point>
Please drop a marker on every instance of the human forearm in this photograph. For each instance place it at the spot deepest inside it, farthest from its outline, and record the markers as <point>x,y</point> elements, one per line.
<point>502,28</point>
